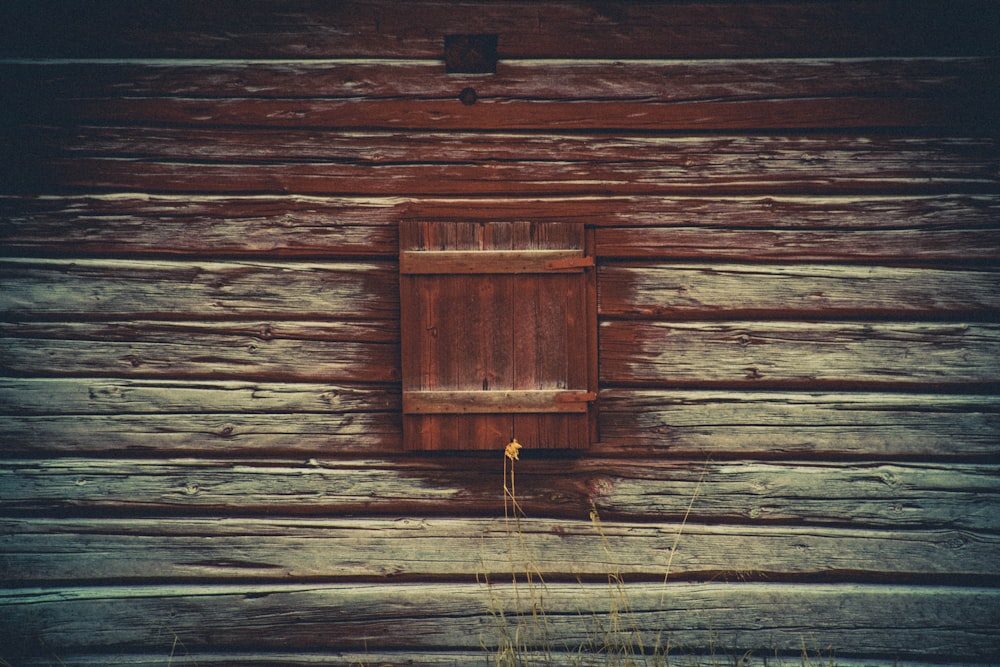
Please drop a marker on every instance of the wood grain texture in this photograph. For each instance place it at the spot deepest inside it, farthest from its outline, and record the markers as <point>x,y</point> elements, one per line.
<point>794,208</point>
<point>717,211</point>
<point>50,84</point>
<point>179,290</point>
<point>759,617</point>
<point>387,164</point>
<point>289,226</point>
<point>803,354</point>
<point>139,223</point>
<point>106,396</point>
<point>40,552</point>
<point>677,291</point>
<point>76,416</point>
<point>836,245</point>
<point>941,495</point>
<point>515,114</point>
<point>710,423</point>
<point>424,658</point>
<point>253,351</point>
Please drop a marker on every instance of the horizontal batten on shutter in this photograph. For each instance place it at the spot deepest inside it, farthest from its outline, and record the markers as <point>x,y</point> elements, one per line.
<point>493,261</point>
<point>472,402</point>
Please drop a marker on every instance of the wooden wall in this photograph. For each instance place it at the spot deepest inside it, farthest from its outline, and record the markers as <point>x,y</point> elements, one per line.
<point>797,215</point>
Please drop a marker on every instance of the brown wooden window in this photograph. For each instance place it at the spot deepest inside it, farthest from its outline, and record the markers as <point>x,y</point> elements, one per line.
<point>499,335</point>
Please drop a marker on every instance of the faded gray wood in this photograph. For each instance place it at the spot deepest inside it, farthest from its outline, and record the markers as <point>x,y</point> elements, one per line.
<point>137,289</point>
<point>277,351</point>
<point>770,424</point>
<point>105,414</point>
<point>940,495</point>
<point>39,550</point>
<point>181,655</point>
<point>650,289</point>
<point>804,354</point>
<point>106,396</point>
<point>662,290</point>
<point>764,618</point>
<point>304,434</point>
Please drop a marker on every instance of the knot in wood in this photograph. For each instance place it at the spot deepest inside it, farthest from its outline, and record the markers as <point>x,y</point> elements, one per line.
<point>468,96</point>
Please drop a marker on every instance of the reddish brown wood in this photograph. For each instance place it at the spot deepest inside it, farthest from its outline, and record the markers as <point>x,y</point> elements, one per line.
<point>504,115</point>
<point>525,164</point>
<point>50,86</point>
<point>466,330</point>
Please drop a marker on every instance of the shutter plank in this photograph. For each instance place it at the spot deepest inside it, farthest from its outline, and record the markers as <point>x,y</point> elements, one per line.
<point>470,402</point>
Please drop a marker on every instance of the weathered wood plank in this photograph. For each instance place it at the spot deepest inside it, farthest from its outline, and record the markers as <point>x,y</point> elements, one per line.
<point>762,618</point>
<point>461,163</point>
<point>803,291</point>
<point>135,223</point>
<point>772,424</point>
<point>278,351</point>
<point>846,212</point>
<point>802,245</point>
<point>304,434</point>
<point>526,29</point>
<point>178,289</point>
<point>295,225</point>
<point>186,289</point>
<point>807,354</point>
<point>37,551</point>
<point>107,396</point>
<point>516,114</point>
<point>50,83</point>
<point>75,416</point>
<point>946,495</point>
<point>181,655</point>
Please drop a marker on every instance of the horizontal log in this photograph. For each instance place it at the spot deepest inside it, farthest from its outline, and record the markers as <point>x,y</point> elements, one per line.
<point>549,29</point>
<point>177,289</point>
<point>513,163</point>
<point>34,288</point>
<point>801,291</point>
<point>253,351</point>
<point>76,416</point>
<point>107,396</point>
<point>845,212</point>
<point>773,424</point>
<point>946,495</point>
<point>50,84</point>
<point>304,434</point>
<point>806,354</point>
<point>426,658</point>
<point>295,225</point>
<point>134,224</point>
<point>823,112</point>
<point>757,618</point>
<point>972,245</point>
<point>46,551</point>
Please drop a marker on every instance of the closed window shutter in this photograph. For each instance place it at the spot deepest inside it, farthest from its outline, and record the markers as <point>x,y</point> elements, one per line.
<point>499,334</point>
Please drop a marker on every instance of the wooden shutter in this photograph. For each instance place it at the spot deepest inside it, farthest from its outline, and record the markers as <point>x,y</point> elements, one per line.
<point>499,332</point>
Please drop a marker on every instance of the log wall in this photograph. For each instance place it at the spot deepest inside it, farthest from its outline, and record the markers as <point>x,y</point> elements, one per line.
<point>796,209</point>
